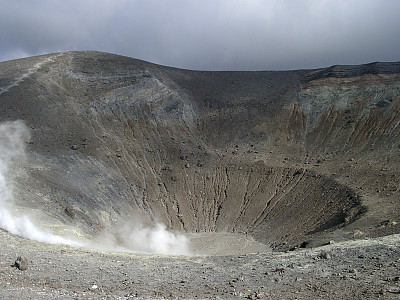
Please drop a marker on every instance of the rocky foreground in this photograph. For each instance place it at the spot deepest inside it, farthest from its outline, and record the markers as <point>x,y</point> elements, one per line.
<point>363,269</point>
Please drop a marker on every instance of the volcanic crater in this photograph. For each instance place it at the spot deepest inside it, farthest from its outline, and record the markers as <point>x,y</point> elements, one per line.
<point>290,159</point>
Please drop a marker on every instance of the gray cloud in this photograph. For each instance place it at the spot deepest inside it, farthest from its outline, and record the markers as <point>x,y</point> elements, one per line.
<point>208,34</point>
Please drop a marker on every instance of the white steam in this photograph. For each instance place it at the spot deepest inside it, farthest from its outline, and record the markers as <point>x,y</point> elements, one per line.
<point>13,136</point>
<point>144,239</point>
<point>158,240</point>
<point>137,238</point>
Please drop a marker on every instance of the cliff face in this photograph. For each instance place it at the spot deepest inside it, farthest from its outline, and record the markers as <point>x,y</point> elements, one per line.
<point>282,156</point>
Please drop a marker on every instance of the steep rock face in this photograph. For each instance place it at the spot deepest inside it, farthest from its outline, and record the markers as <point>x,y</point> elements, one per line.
<point>278,155</point>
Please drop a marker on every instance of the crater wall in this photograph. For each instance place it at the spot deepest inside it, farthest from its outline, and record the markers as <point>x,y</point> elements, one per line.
<point>277,155</point>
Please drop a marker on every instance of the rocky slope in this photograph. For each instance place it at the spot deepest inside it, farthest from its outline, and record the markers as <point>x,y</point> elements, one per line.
<point>289,158</point>
<point>239,161</point>
<point>281,156</point>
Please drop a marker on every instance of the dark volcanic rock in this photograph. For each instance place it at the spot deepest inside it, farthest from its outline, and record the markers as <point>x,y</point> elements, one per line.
<point>21,263</point>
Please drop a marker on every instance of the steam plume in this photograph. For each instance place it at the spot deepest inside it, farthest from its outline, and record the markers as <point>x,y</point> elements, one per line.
<point>137,238</point>
<point>158,240</point>
<point>13,136</point>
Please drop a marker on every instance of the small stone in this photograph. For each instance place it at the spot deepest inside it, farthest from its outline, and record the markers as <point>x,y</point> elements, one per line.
<point>74,147</point>
<point>255,295</point>
<point>384,223</point>
<point>21,263</point>
<point>94,286</point>
<point>69,211</point>
<point>279,270</point>
<point>324,255</point>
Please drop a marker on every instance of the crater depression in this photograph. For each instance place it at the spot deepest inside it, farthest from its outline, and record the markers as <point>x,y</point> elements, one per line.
<point>274,160</point>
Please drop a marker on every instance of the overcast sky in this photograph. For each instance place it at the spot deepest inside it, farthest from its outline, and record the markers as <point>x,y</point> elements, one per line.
<point>208,34</point>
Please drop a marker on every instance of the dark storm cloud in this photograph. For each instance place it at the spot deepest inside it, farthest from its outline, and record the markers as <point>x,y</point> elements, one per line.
<point>208,34</point>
